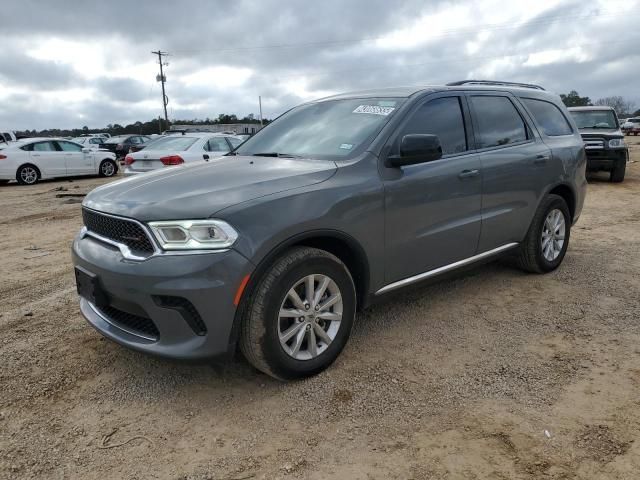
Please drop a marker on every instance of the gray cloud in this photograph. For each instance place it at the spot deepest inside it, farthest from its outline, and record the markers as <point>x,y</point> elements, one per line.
<point>289,46</point>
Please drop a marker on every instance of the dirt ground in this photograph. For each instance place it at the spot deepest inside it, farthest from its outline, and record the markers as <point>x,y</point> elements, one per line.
<point>494,374</point>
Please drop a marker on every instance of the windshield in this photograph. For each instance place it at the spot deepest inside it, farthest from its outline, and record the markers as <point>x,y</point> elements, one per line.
<point>595,119</point>
<point>176,143</point>
<point>332,129</point>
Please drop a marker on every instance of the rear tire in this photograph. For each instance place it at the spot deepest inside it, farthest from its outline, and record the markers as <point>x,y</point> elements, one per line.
<point>28,174</point>
<point>291,337</point>
<point>618,172</point>
<point>108,168</point>
<point>541,252</point>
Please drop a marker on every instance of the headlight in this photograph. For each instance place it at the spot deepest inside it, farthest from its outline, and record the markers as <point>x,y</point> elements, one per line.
<point>194,234</point>
<point>616,143</point>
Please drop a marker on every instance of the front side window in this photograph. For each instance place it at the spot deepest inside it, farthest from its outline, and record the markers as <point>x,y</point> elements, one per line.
<point>235,142</point>
<point>70,147</point>
<point>499,123</point>
<point>218,144</point>
<point>549,117</point>
<point>595,119</point>
<point>327,130</point>
<point>441,117</point>
<point>44,147</point>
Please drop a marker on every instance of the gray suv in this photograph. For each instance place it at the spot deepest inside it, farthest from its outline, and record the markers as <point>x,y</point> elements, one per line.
<point>335,204</point>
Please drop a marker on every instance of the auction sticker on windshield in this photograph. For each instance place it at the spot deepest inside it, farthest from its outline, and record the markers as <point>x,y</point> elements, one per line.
<point>374,110</point>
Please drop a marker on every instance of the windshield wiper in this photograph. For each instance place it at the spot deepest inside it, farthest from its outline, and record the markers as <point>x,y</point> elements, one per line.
<point>276,154</point>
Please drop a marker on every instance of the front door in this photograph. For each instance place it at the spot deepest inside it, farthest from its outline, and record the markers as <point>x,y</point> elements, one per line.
<point>433,209</point>
<point>49,160</point>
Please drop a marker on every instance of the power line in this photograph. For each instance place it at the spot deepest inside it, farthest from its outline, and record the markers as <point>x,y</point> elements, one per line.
<point>468,30</point>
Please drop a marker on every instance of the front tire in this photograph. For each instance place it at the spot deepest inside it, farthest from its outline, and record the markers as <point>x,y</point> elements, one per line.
<point>108,168</point>
<point>28,175</point>
<point>299,316</point>
<point>545,245</point>
<point>618,172</point>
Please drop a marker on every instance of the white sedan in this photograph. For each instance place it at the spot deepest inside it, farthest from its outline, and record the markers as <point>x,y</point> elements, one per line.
<point>178,149</point>
<point>89,142</point>
<point>33,159</point>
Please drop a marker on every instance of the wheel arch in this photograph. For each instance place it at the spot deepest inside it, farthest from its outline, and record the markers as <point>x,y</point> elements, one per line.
<point>566,192</point>
<point>338,243</point>
<point>29,164</point>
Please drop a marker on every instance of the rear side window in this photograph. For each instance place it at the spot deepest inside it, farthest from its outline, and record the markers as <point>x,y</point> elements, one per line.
<point>549,117</point>
<point>44,147</point>
<point>441,117</point>
<point>70,147</point>
<point>218,144</point>
<point>499,123</point>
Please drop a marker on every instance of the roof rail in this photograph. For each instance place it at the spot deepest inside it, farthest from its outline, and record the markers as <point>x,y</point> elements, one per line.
<point>494,82</point>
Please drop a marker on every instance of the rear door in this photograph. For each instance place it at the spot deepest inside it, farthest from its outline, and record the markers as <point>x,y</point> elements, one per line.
<point>77,161</point>
<point>49,159</point>
<point>433,209</point>
<point>515,164</point>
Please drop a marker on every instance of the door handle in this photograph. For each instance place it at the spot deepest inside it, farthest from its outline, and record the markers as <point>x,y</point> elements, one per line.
<point>35,154</point>
<point>468,173</point>
<point>540,159</point>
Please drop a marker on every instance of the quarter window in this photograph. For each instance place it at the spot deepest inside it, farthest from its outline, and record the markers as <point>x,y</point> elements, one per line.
<point>549,117</point>
<point>499,123</point>
<point>441,117</point>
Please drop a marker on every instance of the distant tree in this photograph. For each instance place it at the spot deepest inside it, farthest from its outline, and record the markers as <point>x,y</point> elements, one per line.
<point>618,103</point>
<point>572,99</point>
<point>636,113</point>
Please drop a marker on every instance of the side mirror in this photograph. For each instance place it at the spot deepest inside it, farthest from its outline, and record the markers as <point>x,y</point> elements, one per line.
<point>417,148</point>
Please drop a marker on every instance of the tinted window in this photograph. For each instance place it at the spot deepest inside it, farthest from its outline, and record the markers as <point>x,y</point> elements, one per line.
<point>70,147</point>
<point>177,143</point>
<point>441,117</point>
<point>218,144</point>
<point>44,147</point>
<point>499,123</point>
<point>549,117</point>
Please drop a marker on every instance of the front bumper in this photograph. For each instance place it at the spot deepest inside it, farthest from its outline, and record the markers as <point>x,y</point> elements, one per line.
<point>136,291</point>
<point>606,158</point>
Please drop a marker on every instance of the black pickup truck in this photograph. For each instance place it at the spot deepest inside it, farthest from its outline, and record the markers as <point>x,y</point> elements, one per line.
<point>603,140</point>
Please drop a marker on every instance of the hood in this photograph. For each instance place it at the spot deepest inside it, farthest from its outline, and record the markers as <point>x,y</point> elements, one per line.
<point>600,132</point>
<point>199,190</point>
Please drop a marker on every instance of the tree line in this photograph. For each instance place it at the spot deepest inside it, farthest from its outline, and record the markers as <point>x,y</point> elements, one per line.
<point>622,106</point>
<point>141,128</point>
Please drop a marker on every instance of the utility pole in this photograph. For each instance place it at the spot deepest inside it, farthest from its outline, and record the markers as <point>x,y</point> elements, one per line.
<point>260,103</point>
<point>161,78</point>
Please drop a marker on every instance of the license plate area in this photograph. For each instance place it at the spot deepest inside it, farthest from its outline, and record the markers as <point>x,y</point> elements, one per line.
<point>88,286</point>
<point>145,164</point>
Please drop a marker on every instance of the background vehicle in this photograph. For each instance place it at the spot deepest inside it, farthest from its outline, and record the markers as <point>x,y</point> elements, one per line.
<point>28,161</point>
<point>603,139</point>
<point>121,144</point>
<point>178,149</point>
<point>7,136</point>
<point>90,141</point>
<point>631,126</point>
<point>332,205</point>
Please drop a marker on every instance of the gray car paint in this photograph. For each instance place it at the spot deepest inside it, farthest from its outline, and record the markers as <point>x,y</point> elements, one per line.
<point>404,221</point>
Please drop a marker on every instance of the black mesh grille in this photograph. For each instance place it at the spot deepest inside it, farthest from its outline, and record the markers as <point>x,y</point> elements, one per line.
<point>131,322</point>
<point>123,231</point>
<point>186,309</point>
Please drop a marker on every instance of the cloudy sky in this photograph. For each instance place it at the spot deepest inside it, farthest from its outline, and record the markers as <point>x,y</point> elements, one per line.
<point>74,63</point>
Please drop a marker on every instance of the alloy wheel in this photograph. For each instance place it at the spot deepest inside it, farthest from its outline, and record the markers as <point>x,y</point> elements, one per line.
<point>553,232</point>
<point>310,316</point>
<point>29,175</point>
